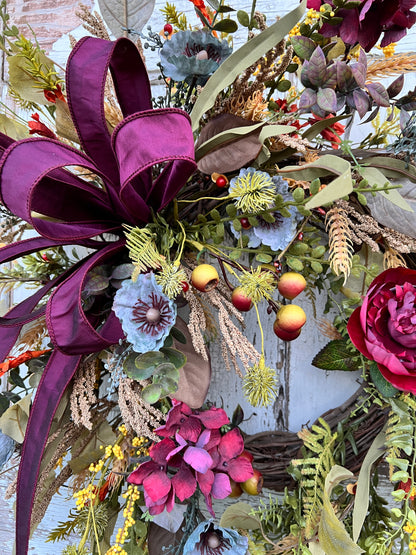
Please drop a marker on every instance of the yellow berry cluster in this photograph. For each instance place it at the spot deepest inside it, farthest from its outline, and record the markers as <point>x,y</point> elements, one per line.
<point>123,430</point>
<point>131,495</point>
<point>389,50</point>
<point>96,467</point>
<point>139,444</point>
<point>84,496</point>
<point>411,529</point>
<point>312,16</point>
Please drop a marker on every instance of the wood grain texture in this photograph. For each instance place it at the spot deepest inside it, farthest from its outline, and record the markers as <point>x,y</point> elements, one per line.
<point>304,391</point>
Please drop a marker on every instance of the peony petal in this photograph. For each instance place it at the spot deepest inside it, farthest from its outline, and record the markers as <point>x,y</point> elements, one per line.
<point>403,383</point>
<point>184,483</point>
<point>199,459</point>
<point>231,444</point>
<point>203,439</point>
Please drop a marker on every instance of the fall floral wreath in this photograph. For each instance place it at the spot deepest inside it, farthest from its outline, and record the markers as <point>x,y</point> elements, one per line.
<point>236,188</point>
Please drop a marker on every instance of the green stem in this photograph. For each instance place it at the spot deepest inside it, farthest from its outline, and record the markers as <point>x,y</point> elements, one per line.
<point>253,11</point>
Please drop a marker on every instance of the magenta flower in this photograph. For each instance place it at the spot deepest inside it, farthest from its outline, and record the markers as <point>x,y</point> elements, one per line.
<point>189,422</point>
<point>152,475</point>
<point>384,327</point>
<point>227,457</point>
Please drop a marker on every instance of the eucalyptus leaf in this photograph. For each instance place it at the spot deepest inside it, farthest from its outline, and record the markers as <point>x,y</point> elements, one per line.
<point>176,357</point>
<point>226,26</point>
<point>325,165</point>
<point>376,178</point>
<point>241,59</point>
<point>128,14</point>
<point>152,393</point>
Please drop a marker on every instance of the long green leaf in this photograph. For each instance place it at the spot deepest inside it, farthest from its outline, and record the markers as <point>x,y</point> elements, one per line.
<point>376,178</point>
<point>325,165</point>
<point>362,495</point>
<point>241,59</point>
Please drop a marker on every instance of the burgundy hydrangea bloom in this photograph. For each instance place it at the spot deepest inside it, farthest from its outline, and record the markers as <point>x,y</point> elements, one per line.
<point>365,25</point>
<point>384,327</point>
<point>197,456</point>
<point>189,422</point>
<point>158,489</point>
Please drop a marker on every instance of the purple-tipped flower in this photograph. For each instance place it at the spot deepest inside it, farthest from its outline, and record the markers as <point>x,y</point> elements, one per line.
<point>146,313</point>
<point>208,539</point>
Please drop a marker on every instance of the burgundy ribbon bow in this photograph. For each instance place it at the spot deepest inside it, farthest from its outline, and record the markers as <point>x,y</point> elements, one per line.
<point>35,183</point>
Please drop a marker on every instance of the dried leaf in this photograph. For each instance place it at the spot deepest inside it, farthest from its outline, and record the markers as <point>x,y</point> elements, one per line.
<point>239,515</point>
<point>13,128</point>
<point>239,151</point>
<point>14,420</point>
<point>22,82</point>
<point>127,14</point>
<point>64,126</point>
<point>195,376</point>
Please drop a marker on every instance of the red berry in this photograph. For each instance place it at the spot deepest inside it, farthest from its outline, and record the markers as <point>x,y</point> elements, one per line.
<point>300,236</point>
<point>240,300</point>
<point>168,28</point>
<point>291,284</point>
<point>278,266</point>
<point>245,224</point>
<point>185,286</point>
<point>221,181</point>
<point>44,257</point>
<point>253,485</point>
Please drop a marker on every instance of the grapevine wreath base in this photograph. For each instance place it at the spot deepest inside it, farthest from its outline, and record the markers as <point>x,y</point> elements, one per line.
<point>273,451</point>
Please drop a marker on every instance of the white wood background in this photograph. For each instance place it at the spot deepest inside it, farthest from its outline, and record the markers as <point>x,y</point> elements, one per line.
<point>305,392</point>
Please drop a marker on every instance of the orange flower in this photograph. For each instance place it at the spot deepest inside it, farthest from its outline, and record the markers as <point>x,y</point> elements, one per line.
<point>13,362</point>
<point>200,6</point>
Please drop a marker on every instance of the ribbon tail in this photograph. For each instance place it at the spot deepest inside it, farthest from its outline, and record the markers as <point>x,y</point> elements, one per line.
<point>56,377</point>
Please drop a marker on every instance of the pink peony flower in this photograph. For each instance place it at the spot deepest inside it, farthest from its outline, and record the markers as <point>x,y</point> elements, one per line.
<point>384,327</point>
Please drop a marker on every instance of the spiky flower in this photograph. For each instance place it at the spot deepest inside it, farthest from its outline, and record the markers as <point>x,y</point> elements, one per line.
<point>171,278</point>
<point>257,284</point>
<point>253,190</point>
<point>260,385</point>
<point>142,249</point>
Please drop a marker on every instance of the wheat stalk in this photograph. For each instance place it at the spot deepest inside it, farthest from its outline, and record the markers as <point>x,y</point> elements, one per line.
<point>339,241</point>
<point>395,65</point>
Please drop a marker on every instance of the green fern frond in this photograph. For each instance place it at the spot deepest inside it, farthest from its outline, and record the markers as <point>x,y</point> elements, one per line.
<point>321,441</point>
<point>143,250</point>
<point>64,529</point>
<point>400,430</point>
<point>172,16</point>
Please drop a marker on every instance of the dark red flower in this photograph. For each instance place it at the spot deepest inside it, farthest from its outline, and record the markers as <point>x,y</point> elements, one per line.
<point>332,132</point>
<point>365,24</point>
<point>39,128</point>
<point>384,327</point>
<point>53,96</point>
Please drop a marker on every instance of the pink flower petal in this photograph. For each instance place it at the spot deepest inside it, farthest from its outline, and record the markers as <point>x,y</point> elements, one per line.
<point>199,459</point>
<point>213,418</point>
<point>221,488</point>
<point>157,485</point>
<point>231,444</point>
<point>144,470</point>
<point>184,483</point>
<point>205,481</point>
<point>240,469</point>
<point>159,451</point>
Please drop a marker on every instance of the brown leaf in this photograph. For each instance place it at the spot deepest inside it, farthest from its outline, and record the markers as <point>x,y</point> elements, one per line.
<point>159,538</point>
<point>195,376</point>
<point>64,126</point>
<point>232,155</point>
